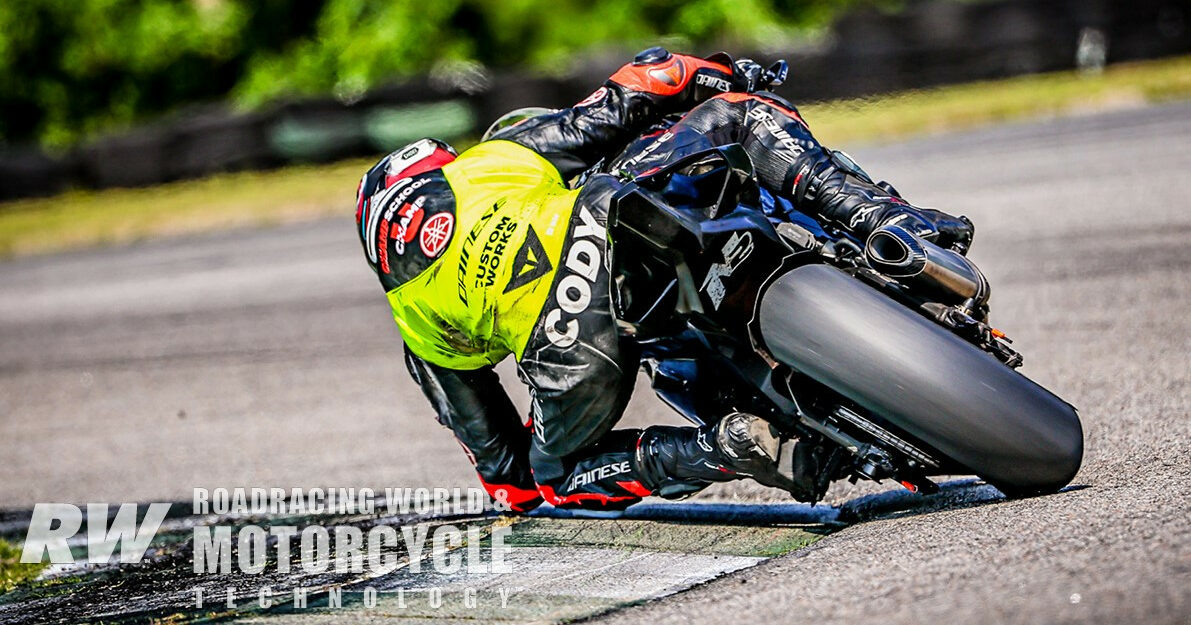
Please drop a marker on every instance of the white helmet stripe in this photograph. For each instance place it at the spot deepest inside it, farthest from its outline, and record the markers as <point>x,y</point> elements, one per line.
<point>378,203</point>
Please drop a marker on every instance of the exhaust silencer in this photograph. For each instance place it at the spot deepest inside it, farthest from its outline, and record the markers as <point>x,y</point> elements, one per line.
<point>918,263</point>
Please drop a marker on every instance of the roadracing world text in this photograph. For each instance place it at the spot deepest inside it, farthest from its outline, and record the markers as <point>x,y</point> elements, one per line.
<point>279,538</point>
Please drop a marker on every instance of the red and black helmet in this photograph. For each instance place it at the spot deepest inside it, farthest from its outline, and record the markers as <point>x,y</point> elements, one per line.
<point>416,158</point>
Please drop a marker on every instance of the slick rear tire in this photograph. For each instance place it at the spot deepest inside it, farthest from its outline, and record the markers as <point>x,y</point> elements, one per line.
<point>921,379</point>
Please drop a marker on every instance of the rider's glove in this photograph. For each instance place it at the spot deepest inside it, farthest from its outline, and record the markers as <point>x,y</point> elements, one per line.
<point>749,76</point>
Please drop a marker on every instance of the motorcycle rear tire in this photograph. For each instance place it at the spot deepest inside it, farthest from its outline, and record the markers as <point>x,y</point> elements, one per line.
<point>922,379</point>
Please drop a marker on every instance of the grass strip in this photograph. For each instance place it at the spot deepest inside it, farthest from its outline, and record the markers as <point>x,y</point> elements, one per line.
<point>13,572</point>
<point>958,107</point>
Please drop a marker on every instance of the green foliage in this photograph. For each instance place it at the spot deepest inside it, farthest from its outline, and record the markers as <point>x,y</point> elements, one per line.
<point>71,68</point>
<point>360,43</point>
<point>12,572</point>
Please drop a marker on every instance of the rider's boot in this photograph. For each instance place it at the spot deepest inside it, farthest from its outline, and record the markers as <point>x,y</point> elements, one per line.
<point>678,461</point>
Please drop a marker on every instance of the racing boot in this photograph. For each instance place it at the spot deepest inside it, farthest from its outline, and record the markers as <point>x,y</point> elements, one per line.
<point>757,450</point>
<point>675,462</point>
<point>831,184</point>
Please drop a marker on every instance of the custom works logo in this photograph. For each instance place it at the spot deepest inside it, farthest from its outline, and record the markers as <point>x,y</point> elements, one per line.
<point>355,536</point>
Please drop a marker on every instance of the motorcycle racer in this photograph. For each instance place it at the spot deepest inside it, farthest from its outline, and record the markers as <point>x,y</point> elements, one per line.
<point>491,253</point>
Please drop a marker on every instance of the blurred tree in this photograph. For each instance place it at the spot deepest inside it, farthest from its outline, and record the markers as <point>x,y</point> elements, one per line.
<point>359,43</point>
<point>70,68</point>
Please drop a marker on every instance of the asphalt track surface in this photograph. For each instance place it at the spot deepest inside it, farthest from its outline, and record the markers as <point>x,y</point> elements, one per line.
<point>268,358</point>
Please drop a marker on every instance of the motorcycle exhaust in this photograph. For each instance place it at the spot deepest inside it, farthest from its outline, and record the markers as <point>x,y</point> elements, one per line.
<point>898,253</point>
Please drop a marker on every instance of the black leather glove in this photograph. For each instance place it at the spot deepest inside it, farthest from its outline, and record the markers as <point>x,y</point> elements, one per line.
<point>749,76</point>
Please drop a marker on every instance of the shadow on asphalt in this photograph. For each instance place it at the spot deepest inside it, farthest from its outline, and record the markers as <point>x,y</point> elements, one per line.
<point>953,495</point>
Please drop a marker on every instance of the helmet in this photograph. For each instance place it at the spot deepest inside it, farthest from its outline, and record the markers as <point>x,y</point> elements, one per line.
<point>514,117</point>
<point>418,157</point>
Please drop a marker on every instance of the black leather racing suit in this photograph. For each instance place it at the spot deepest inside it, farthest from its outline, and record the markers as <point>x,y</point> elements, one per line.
<point>569,454</point>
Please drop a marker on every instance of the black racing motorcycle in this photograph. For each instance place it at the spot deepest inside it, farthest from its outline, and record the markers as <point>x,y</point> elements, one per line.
<point>877,352</point>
